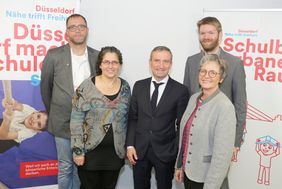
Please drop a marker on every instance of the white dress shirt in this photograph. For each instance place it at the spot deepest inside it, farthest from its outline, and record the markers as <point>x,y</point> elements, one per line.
<point>161,90</point>
<point>161,87</point>
<point>80,68</point>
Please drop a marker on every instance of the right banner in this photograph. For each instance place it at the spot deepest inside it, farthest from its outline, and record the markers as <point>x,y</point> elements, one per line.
<point>255,36</point>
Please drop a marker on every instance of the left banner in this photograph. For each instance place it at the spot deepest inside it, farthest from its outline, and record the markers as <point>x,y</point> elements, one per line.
<point>28,157</point>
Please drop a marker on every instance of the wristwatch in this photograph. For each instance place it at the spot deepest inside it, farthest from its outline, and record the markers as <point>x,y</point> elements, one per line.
<point>77,150</point>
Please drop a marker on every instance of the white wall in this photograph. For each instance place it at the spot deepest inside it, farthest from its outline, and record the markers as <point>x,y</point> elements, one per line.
<point>135,27</point>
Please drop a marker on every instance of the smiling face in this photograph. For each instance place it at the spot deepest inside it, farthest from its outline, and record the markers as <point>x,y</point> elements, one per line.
<point>209,37</point>
<point>77,30</point>
<point>110,65</point>
<point>36,121</point>
<point>160,64</point>
<point>267,148</point>
<point>209,76</point>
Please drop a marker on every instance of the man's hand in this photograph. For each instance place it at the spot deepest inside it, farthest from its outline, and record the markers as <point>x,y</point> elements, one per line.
<point>178,175</point>
<point>79,160</point>
<point>131,155</point>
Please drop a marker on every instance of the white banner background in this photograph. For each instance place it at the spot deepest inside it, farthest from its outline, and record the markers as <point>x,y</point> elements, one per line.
<point>28,29</point>
<point>255,36</point>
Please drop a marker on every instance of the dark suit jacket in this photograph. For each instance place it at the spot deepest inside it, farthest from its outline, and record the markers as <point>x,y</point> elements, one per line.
<point>57,87</point>
<point>158,128</point>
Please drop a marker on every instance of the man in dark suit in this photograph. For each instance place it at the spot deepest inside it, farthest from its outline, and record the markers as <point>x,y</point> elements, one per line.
<point>64,68</point>
<point>155,112</point>
<point>234,84</point>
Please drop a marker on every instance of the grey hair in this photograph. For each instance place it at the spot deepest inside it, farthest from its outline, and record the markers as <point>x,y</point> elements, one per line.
<point>159,49</point>
<point>215,58</point>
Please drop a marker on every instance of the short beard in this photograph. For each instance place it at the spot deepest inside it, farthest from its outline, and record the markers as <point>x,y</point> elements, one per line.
<point>211,47</point>
<point>78,42</point>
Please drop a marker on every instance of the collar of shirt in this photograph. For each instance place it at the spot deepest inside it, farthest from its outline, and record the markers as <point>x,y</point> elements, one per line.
<point>164,80</point>
<point>161,87</point>
<point>84,56</point>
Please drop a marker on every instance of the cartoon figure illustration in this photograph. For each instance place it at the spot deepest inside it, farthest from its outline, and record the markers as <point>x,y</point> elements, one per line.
<point>267,148</point>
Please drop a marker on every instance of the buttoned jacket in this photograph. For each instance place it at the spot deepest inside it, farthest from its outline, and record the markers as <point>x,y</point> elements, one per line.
<point>211,139</point>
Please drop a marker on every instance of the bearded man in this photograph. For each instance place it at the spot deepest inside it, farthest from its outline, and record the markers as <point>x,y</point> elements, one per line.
<point>64,69</point>
<point>234,85</point>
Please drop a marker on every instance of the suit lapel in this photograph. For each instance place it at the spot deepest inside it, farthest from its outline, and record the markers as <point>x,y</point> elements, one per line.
<point>68,70</point>
<point>147,88</point>
<point>165,94</point>
<point>91,60</point>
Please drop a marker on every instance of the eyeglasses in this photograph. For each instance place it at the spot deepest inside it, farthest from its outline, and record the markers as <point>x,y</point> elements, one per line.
<point>211,73</point>
<point>107,63</point>
<point>80,27</point>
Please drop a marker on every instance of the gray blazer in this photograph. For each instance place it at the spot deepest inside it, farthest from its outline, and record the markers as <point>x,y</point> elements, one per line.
<point>211,140</point>
<point>57,87</point>
<point>233,86</point>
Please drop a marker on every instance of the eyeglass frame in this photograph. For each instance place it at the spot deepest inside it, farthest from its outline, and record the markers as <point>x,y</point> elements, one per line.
<point>80,27</point>
<point>204,72</point>
<point>113,63</point>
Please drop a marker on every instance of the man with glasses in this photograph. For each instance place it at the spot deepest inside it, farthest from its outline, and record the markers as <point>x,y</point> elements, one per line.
<point>64,68</point>
<point>234,85</point>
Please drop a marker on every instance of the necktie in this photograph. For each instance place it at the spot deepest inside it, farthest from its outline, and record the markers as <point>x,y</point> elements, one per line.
<point>155,95</point>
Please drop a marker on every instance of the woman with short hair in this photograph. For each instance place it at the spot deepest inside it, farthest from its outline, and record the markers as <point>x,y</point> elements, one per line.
<point>207,131</point>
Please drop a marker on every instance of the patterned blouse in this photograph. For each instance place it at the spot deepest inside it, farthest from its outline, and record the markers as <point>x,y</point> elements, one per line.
<point>93,113</point>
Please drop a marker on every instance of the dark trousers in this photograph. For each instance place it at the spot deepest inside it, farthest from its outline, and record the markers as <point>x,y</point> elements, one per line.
<point>142,172</point>
<point>189,184</point>
<point>98,179</point>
